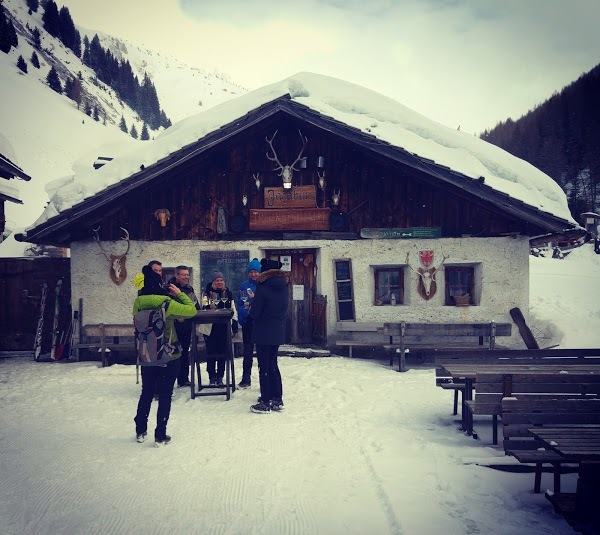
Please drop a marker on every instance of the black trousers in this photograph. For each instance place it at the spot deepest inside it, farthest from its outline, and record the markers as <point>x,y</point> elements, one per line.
<point>248,351</point>
<point>184,335</point>
<point>268,372</point>
<point>156,379</point>
<point>216,344</point>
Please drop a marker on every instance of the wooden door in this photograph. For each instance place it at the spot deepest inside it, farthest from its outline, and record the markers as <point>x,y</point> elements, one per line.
<point>300,265</point>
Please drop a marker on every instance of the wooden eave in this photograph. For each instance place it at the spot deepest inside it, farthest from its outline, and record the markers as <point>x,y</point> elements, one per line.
<point>5,197</point>
<point>53,230</point>
<point>9,170</point>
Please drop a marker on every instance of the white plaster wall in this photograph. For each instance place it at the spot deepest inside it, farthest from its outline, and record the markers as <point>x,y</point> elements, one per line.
<point>502,263</point>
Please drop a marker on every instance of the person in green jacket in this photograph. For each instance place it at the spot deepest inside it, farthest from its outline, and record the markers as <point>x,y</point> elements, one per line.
<point>160,379</point>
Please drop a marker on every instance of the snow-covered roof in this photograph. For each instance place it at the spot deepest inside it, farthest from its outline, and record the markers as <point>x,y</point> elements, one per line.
<point>349,104</point>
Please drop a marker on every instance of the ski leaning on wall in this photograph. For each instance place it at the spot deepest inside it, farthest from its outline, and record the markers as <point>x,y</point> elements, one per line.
<point>37,346</point>
<point>56,316</point>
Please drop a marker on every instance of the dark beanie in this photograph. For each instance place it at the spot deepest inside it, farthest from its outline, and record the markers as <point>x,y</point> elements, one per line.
<point>152,282</point>
<point>266,264</point>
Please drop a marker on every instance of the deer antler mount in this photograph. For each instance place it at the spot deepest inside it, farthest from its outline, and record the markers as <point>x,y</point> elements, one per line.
<point>117,269</point>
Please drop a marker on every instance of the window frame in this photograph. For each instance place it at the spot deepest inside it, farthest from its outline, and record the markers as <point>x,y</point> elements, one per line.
<point>400,271</point>
<point>448,269</point>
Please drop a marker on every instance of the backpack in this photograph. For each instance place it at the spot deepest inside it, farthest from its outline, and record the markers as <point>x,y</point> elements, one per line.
<point>149,337</point>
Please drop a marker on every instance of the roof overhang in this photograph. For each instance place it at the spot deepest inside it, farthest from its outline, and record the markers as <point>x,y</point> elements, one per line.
<point>9,170</point>
<point>51,230</point>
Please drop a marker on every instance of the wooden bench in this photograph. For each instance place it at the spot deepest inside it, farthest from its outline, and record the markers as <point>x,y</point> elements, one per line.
<point>106,337</point>
<point>493,387</point>
<point>351,329</point>
<point>484,355</point>
<point>422,338</point>
<point>521,413</point>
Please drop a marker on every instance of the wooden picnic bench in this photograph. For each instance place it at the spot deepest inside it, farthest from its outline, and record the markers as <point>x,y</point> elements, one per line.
<point>367,331</point>
<point>538,383</point>
<point>482,355</point>
<point>106,337</point>
<point>520,414</point>
<point>423,338</point>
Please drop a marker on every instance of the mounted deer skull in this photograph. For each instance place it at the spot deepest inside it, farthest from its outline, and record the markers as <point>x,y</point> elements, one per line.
<point>335,197</point>
<point>162,215</point>
<point>286,171</point>
<point>117,270</point>
<point>427,284</point>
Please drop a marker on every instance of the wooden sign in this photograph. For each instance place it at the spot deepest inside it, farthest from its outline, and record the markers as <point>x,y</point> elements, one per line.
<point>401,233</point>
<point>297,197</point>
<point>277,219</point>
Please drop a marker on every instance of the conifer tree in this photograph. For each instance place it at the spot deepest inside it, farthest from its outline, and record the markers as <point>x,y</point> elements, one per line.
<point>88,108</point>
<point>35,60</point>
<point>33,5</point>
<point>54,81</point>
<point>51,19</point>
<point>145,135</point>
<point>8,35</point>
<point>21,64</point>
<point>68,33</point>
<point>123,125</point>
<point>37,39</point>
<point>96,116</point>
<point>134,132</point>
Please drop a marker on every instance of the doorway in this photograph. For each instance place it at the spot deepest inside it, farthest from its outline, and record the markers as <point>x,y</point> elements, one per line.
<point>300,265</point>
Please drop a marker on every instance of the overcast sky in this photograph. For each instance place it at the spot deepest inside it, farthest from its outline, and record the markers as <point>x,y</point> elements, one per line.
<point>471,63</point>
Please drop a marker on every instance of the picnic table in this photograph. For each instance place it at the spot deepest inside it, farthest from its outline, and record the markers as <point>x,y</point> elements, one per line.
<point>468,371</point>
<point>577,443</point>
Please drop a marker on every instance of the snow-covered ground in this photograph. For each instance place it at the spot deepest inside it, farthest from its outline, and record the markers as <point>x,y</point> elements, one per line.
<point>360,448</point>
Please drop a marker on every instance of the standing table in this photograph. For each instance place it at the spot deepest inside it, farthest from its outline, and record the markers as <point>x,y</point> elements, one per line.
<point>212,316</point>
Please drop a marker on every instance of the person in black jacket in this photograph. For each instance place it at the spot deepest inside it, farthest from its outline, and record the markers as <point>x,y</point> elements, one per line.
<point>184,327</point>
<point>215,335</point>
<point>268,312</point>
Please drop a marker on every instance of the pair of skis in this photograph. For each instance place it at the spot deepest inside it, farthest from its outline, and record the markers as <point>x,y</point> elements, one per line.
<point>60,342</point>
<point>37,346</point>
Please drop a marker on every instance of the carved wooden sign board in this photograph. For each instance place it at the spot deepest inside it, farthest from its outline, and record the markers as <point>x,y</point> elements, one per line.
<point>297,197</point>
<point>279,219</point>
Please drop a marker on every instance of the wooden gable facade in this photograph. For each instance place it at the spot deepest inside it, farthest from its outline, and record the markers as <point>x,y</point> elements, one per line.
<point>380,186</point>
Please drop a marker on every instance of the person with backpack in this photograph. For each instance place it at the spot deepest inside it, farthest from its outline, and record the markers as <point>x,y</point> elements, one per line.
<point>159,351</point>
<point>269,312</point>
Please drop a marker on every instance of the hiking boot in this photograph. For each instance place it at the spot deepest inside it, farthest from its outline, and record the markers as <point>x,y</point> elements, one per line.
<point>162,441</point>
<point>140,437</point>
<point>219,381</point>
<point>184,384</point>
<point>244,383</point>
<point>261,408</point>
<point>277,405</point>
<point>212,381</point>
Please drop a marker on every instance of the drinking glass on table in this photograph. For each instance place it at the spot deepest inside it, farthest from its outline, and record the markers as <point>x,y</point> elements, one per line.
<point>224,297</point>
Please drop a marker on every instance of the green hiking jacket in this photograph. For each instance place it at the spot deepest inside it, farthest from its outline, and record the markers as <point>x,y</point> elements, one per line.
<point>180,306</point>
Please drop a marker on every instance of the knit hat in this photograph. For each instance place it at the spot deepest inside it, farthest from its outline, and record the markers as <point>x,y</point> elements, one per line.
<point>254,265</point>
<point>216,275</point>
<point>266,264</point>
<point>153,283</point>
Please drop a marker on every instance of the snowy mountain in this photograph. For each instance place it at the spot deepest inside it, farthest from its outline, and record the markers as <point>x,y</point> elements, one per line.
<point>50,136</point>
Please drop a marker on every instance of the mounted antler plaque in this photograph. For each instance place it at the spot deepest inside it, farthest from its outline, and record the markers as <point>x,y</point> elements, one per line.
<point>117,269</point>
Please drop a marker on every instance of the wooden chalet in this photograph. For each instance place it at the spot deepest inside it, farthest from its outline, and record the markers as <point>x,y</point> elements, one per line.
<point>368,230</point>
